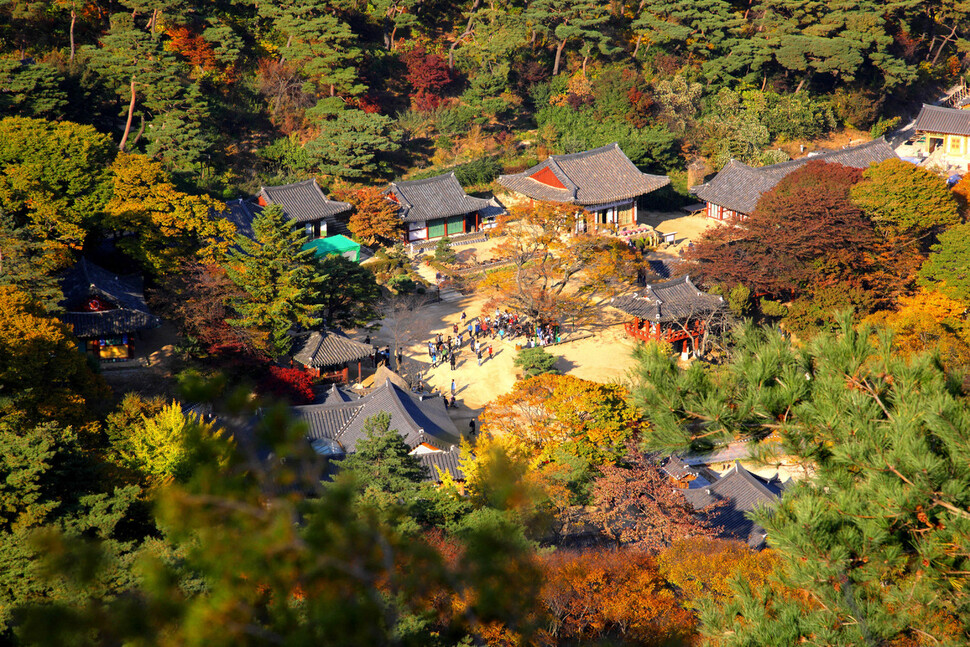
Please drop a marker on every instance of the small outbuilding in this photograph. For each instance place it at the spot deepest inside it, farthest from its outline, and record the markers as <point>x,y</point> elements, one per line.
<point>335,246</point>
<point>673,311</point>
<point>105,310</point>
<point>329,354</point>
<point>305,203</point>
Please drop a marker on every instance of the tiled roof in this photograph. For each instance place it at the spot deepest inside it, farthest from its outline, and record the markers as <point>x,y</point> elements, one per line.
<point>671,300</point>
<point>303,201</point>
<point>445,461</point>
<point>330,348</point>
<point>86,280</point>
<point>242,213</point>
<point>598,176</point>
<point>434,197</point>
<point>738,186</point>
<point>418,420</point>
<point>949,121</point>
<point>739,492</point>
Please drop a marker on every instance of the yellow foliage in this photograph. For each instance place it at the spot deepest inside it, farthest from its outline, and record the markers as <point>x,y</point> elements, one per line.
<point>171,225</point>
<point>929,321</point>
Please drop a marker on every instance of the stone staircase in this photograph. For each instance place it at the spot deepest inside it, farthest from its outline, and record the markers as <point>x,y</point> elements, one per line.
<point>450,295</point>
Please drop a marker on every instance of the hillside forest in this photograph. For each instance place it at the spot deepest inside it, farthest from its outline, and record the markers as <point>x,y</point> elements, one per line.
<point>194,511</point>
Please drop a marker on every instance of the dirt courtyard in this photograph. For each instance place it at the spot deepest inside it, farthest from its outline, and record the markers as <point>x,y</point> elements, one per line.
<point>603,357</point>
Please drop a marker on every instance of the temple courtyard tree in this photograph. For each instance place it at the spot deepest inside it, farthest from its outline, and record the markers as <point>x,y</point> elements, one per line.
<point>948,267</point>
<point>554,274</point>
<point>905,198</point>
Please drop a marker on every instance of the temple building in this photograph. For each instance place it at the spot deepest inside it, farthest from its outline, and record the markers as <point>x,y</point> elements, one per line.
<point>943,135</point>
<point>305,203</point>
<point>106,311</point>
<point>335,426</point>
<point>737,493</point>
<point>673,311</point>
<point>734,192</point>
<point>603,182</point>
<point>438,206</point>
<point>329,354</point>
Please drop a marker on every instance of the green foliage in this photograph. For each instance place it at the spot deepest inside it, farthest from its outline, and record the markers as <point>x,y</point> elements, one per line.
<point>351,142</point>
<point>23,265</point>
<point>278,279</point>
<point>535,361</point>
<point>54,178</point>
<point>883,512</point>
<point>443,252</point>
<point>905,198</point>
<point>169,445</point>
<point>578,130</point>
<point>31,90</point>
<point>739,301</point>
<point>48,481</point>
<point>347,293</point>
<point>947,269</point>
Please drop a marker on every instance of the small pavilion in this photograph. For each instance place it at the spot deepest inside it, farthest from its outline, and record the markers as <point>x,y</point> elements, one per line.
<point>329,354</point>
<point>673,311</point>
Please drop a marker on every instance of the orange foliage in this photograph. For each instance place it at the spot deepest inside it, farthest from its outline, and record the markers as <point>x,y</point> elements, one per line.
<point>929,321</point>
<point>193,47</point>
<point>375,218</point>
<point>702,567</point>
<point>604,594</point>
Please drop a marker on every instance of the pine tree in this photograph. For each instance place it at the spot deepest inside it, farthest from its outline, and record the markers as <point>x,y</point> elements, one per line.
<point>347,293</point>
<point>382,461</point>
<point>563,21</point>
<point>275,272</point>
<point>948,267</point>
<point>322,47</point>
<point>873,542</point>
<point>351,141</point>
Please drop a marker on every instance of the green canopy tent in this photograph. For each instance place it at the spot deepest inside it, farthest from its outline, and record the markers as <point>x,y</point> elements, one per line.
<point>335,245</point>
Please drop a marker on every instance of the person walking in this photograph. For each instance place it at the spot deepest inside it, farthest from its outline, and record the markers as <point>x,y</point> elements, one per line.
<point>454,361</point>
<point>463,316</point>
<point>434,359</point>
<point>489,351</point>
<point>479,354</point>
<point>453,389</point>
<point>455,329</point>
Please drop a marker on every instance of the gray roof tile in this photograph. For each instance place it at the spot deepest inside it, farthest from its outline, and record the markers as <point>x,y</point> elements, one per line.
<point>440,196</point>
<point>446,461</point>
<point>86,280</point>
<point>739,187</point>
<point>739,492</point>
<point>330,348</point>
<point>241,213</point>
<point>598,176</point>
<point>303,201</point>
<point>417,420</point>
<point>949,121</point>
<point>672,300</point>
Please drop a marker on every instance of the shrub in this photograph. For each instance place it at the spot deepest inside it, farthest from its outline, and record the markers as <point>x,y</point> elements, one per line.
<point>292,384</point>
<point>536,361</point>
<point>443,253</point>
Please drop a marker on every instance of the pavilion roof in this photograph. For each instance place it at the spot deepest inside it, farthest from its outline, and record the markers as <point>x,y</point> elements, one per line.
<point>947,121</point>
<point>739,492</point>
<point>673,300</point>
<point>597,176</point>
<point>419,419</point>
<point>330,348</point>
<point>303,201</point>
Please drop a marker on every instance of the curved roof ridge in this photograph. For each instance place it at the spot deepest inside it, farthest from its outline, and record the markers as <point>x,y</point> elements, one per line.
<point>357,408</point>
<point>426,180</point>
<point>753,480</point>
<point>581,154</point>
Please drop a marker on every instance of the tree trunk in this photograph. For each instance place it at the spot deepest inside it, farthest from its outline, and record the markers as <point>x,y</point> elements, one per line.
<point>131,113</point>
<point>637,48</point>
<point>943,44</point>
<point>153,21</point>
<point>73,20</point>
<point>800,84</point>
<point>559,49</point>
<point>585,60</point>
<point>141,131</point>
